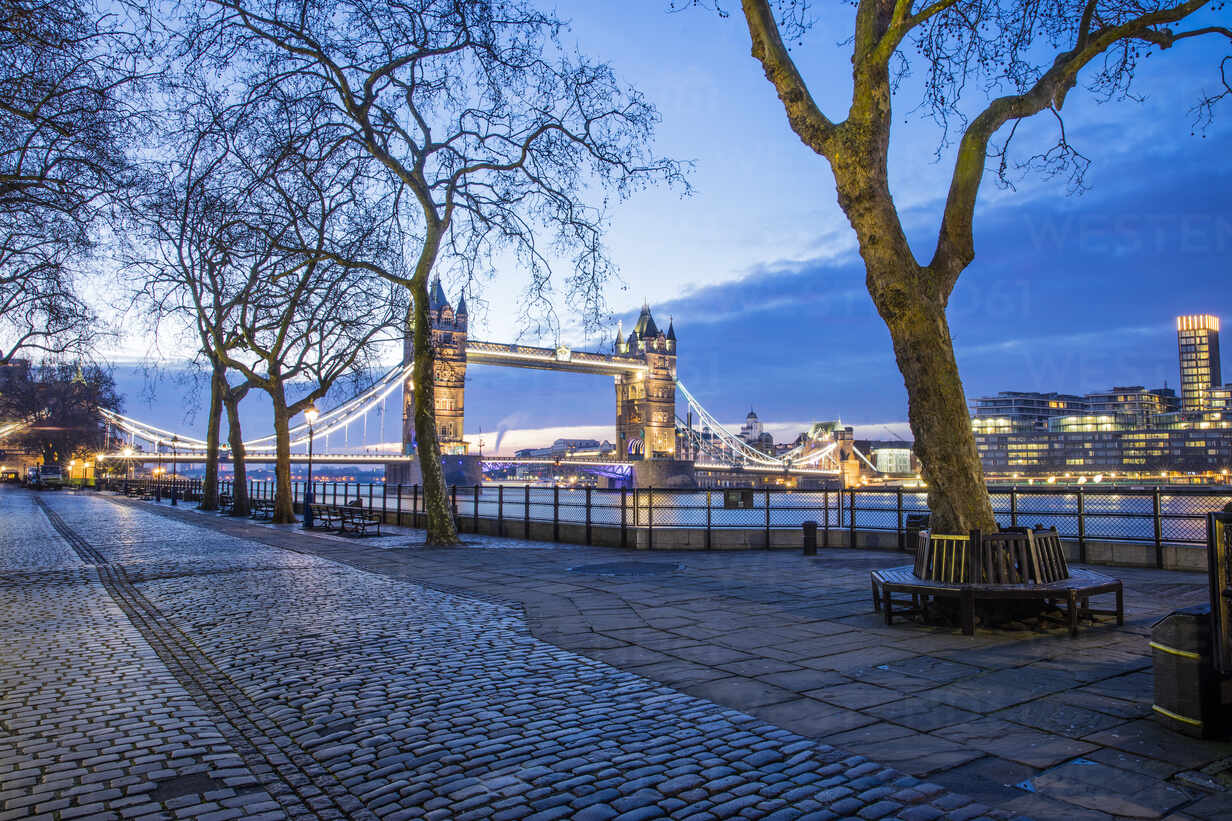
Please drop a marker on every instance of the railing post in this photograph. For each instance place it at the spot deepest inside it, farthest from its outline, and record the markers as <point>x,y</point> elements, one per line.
<point>1159,531</point>
<point>839,497</point>
<point>851,516</point>
<point>398,504</point>
<point>650,518</point>
<point>902,535</point>
<point>555,512</point>
<point>526,518</point>
<point>825,518</point>
<point>384,499</point>
<point>624,518</point>
<point>767,518</point>
<point>369,497</point>
<point>1082,526</point>
<point>588,489</point>
<point>500,510</point>
<point>1013,506</point>
<point>476,509</point>
<point>708,536</point>
<point>415,505</point>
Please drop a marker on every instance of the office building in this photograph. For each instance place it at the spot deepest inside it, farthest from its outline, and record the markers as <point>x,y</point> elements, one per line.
<point>1198,344</point>
<point>1125,430</point>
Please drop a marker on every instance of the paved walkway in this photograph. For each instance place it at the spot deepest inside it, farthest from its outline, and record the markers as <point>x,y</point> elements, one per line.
<point>170,663</point>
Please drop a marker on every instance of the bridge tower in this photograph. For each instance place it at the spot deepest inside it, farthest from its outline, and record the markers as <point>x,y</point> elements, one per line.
<point>646,403</point>
<point>448,330</point>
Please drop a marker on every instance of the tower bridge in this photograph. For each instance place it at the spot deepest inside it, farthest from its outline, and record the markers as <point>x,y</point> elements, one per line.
<point>655,446</point>
<point>642,365</point>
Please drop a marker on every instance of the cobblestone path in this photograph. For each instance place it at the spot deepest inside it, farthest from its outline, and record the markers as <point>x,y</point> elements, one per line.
<point>153,668</point>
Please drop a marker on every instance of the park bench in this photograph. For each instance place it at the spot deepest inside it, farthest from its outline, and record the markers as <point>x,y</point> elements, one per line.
<point>261,508</point>
<point>358,520</point>
<point>326,516</point>
<point>141,491</point>
<point>226,503</point>
<point>1010,566</point>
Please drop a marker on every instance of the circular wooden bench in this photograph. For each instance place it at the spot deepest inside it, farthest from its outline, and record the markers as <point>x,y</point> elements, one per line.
<point>1015,565</point>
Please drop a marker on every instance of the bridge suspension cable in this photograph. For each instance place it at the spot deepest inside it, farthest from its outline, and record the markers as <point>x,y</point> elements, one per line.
<point>724,438</point>
<point>338,417</point>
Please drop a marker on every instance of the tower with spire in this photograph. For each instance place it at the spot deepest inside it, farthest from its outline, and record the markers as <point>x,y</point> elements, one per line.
<point>646,401</point>
<point>448,329</point>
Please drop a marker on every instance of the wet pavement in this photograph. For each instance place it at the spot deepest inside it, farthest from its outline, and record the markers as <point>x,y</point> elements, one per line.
<point>173,663</point>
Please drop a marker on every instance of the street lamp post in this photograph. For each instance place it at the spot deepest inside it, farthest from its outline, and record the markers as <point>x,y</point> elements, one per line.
<point>310,415</point>
<point>158,481</point>
<point>175,440</point>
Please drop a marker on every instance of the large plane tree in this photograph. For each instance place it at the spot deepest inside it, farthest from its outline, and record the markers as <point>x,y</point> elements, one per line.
<point>984,66</point>
<point>494,142</point>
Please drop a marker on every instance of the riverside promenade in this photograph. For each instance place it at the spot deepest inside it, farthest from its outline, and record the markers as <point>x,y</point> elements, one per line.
<point>168,663</point>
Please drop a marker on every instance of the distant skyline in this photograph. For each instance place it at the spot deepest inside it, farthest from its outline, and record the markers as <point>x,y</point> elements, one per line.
<point>759,270</point>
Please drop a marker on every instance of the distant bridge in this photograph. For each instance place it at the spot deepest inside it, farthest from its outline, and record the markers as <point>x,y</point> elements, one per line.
<point>648,426</point>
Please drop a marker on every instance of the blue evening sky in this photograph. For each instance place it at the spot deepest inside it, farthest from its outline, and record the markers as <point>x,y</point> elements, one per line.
<point>758,267</point>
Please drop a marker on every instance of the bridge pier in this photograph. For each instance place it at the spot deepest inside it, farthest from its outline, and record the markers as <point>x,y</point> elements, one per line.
<point>664,473</point>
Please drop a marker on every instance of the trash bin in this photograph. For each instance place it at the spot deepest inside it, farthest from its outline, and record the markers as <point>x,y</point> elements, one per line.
<point>1187,688</point>
<point>810,538</point>
<point>916,522</point>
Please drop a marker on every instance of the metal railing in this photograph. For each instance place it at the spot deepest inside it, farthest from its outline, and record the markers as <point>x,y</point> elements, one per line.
<point>1152,516</point>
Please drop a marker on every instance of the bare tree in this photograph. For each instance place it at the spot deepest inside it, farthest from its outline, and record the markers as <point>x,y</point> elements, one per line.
<point>66,70</point>
<point>1029,56</point>
<point>313,315</point>
<point>193,275</point>
<point>488,135</point>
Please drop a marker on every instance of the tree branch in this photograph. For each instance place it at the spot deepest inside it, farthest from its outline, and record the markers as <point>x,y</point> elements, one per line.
<point>803,114</point>
<point>956,242</point>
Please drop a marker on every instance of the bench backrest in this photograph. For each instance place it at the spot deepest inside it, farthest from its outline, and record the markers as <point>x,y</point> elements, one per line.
<point>1018,557</point>
<point>1051,553</point>
<point>944,557</point>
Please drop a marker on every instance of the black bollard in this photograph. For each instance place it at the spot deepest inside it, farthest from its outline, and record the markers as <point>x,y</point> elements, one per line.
<point>810,538</point>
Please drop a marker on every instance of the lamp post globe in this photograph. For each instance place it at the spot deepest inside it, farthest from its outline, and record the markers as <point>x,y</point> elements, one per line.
<point>175,440</point>
<point>310,416</point>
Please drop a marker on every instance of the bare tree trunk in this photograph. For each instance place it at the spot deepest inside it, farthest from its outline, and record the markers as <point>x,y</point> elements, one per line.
<point>284,506</point>
<point>209,485</point>
<point>940,421</point>
<point>240,504</point>
<point>912,301</point>
<point>441,529</point>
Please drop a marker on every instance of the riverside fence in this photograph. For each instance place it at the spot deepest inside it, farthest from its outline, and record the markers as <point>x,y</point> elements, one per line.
<point>1153,516</point>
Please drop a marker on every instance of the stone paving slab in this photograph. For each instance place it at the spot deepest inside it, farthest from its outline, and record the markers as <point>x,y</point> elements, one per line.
<point>964,710</point>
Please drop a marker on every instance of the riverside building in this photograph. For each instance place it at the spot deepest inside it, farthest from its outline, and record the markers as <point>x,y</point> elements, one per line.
<point>1127,432</point>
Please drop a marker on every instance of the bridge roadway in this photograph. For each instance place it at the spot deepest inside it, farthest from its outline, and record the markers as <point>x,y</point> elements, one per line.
<point>551,359</point>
